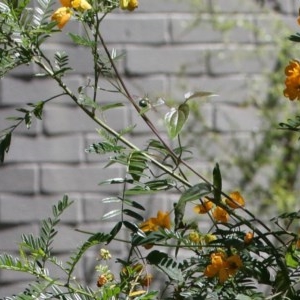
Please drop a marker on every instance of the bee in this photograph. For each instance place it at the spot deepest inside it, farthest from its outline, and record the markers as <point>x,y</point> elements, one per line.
<point>146,104</point>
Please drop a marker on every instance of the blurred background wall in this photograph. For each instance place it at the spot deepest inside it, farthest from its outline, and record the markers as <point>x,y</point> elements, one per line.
<point>233,48</point>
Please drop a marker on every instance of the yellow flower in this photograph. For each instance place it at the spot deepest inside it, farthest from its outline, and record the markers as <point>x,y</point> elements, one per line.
<point>248,237</point>
<point>105,254</point>
<point>195,237</point>
<point>220,215</point>
<point>217,263</point>
<point>292,81</point>
<point>81,4</point>
<point>223,267</point>
<point>233,264</point>
<point>66,3</point>
<point>76,4</point>
<point>204,207</point>
<point>62,15</point>
<point>129,4</point>
<point>236,200</point>
<point>208,238</point>
<point>153,224</point>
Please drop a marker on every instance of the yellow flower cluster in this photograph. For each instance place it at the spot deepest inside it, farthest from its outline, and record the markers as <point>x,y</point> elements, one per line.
<point>234,201</point>
<point>154,224</point>
<point>63,14</point>
<point>292,81</point>
<point>222,266</point>
<point>129,4</point>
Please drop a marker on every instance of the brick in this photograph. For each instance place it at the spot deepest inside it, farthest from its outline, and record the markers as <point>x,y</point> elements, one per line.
<point>212,29</point>
<point>18,91</point>
<point>80,58</point>
<point>51,149</point>
<point>234,6</point>
<point>7,290</point>
<point>137,29</point>
<point>236,60</point>
<point>172,6</point>
<point>18,179</point>
<point>230,118</point>
<point>12,236</point>
<point>232,89</point>
<point>21,129</point>
<point>66,179</point>
<point>15,209</point>
<point>73,120</point>
<point>143,60</point>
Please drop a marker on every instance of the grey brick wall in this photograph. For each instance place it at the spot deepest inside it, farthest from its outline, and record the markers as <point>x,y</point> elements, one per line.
<point>165,56</point>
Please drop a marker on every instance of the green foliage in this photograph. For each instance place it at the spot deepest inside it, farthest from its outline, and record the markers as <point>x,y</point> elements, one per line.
<point>175,119</point>
<point>227,260</point>
<point>166,264</point>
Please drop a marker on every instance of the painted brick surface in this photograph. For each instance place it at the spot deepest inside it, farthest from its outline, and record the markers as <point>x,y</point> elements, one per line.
<point>167,54</point>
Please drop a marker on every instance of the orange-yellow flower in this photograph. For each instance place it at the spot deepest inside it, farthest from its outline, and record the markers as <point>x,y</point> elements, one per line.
<point>217,263</point>
<point>81,5</point>
<point>204,207</point>
<point>248,237</point>
<point>162,220</point>
<point>62,15</point>
<point>234,263</point>
<point>292,81</point>
<point>66,3</point>
<point>236,200</point>
<point>129,4</point>
<point>220,214</point>
<point>195,237</point>
<point>223,267</point>
<point>76,4</point>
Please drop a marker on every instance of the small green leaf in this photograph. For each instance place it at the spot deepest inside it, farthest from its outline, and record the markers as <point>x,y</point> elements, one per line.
<point>175,119</point>
<point>4,145</point>
<point>111,214</point>
<point>111,106</point>
<point>292,257</point>
<point>198,94</point>
<point>131,226</point>
<point>137,163</point>
<point>114,231</point>
<point>104,147</point>
<point>166,264</point>
<point>195,192</point>
<point>217,181</point>
<point>80,40</point>
<point>133,214</point>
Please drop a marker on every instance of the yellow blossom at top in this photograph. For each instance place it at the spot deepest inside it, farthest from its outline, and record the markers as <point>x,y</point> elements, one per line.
<point>66,3</point>
<point>223,267</point>
<point>76,4</point>
<point>81,4</point>
<point>129,4</point>
<point>236,200</point>
<point>62,15</point>
<point>292,81</point>
<point>204,207</point>
<point>161,221</point>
